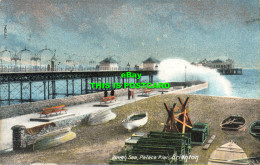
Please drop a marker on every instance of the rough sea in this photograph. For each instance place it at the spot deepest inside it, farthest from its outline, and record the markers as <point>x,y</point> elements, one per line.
<point>246,85</point>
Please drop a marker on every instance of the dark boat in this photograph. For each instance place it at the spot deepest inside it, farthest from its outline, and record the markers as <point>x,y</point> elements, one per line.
<point>255,129</point>
<point>233,123</point>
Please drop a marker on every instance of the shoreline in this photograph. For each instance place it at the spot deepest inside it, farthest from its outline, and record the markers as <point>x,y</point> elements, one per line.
<point>234,97</point>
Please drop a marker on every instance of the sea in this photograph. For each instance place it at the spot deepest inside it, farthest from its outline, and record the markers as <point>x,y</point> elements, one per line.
<point>246,85</point>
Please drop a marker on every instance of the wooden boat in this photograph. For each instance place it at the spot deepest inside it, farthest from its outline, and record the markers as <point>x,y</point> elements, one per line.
<point>53,139</point>
<point>229,153</point>
<point>233,123</point>
<point>37,129</point>
<point>255,129</point>
<point>134,138</point>
<point>101,117</point>
<point>135,120</point>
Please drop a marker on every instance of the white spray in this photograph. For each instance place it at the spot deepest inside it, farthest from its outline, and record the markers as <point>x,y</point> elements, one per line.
<point>175,70</point>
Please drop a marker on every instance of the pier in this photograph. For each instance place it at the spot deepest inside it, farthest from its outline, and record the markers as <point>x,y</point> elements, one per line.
<point>21,87</point>
<point>223,67</point>
<point>230,71</point>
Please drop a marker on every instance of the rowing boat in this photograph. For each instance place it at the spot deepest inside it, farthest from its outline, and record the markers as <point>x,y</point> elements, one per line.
<point>233,123</point>
<point>53,139</point>
<point>255,129</point>
<point>101,117</point>
<point>135,120</point>
<point>229,153</point>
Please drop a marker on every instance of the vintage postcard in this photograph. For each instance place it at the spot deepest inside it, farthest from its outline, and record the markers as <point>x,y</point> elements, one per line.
<point>130,82</point>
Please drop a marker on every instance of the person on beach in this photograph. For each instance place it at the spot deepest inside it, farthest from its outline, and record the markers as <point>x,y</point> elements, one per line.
<point>105,93</point>
<point>112,92</point>
<point>130,93</point>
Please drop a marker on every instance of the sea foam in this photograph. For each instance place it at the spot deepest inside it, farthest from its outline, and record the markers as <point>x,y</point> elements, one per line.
<point>174,70</point>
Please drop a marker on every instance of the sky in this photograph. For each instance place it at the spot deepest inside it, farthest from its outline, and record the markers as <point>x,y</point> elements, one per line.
<point>133,30</point>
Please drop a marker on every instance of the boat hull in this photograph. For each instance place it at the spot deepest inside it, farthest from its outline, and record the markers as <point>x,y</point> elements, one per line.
<point>131,124</point>
<point>229,153</point>
<point>101,117</point>
<point>53,139</point>
<point>233,123</point>
<point>255,129</point>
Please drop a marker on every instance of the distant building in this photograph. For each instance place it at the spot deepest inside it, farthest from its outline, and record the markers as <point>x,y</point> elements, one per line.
<point>197,64</point>
<point>223,67</point>
<point>108,64</point>
<point>151,64</point>
<point>217,64</point>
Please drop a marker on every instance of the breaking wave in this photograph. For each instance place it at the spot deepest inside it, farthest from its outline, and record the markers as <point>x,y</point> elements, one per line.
<point>174,70</point>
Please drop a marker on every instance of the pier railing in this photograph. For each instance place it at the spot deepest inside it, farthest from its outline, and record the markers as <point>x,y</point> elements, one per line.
<point>21,87</point>
<point>6,69</point>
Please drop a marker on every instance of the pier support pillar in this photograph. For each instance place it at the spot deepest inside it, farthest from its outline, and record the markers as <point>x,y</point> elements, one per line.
<point>44,90</point>
<point>53,89</point>
<point>21,92</point>
<point>30,84</point>
<point>9,94</point>
<point>91,82</point>
<point>73,93</point>
<point>138,80</point>
<point>111,83</point>
<point>151,79</point>
<point>101,83</point>
<point>0,94</point>
<point>67,88</point>
<point>81,90</point>
<point>86,85</point>
<point>114,79</point>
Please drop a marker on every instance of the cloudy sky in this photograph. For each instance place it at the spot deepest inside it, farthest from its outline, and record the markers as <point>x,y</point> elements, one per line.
<point>134,30</point>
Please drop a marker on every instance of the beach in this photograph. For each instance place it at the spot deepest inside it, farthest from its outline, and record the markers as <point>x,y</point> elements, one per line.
<point>97,144</point>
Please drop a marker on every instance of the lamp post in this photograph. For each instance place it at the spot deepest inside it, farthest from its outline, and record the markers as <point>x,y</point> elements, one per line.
<point>53,59</point>
<point>185,75</point>
<point>128,67</point>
